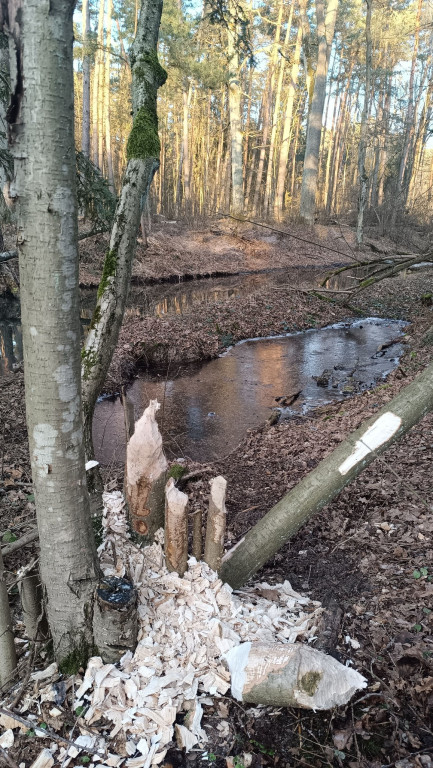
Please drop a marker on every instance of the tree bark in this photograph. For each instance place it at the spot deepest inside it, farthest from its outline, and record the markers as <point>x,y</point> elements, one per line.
<point>325,31</point>
<point>85,133</point>
<point>234,91</point>
<point>107,122</point>
<point>43,146</point>
<point>143,161</point>
<point>362,150</point>
<point>97,85</point>
<point>287,128</point>
<point>8,658</point>
<point>321,485</point>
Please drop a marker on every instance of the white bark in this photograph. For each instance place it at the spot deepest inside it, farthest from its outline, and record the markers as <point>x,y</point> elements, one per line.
<point>44,156</point>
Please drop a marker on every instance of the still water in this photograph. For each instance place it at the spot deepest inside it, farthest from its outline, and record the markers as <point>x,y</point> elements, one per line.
<point>206,411</point>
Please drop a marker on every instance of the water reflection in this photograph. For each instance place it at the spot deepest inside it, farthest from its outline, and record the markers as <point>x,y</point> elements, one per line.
<point>205,413</point>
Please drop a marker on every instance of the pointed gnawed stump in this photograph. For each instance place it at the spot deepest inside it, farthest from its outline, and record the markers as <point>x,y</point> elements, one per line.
<point>145,475</point>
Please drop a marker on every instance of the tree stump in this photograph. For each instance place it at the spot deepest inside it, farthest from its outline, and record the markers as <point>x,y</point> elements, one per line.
<point>115,619</point>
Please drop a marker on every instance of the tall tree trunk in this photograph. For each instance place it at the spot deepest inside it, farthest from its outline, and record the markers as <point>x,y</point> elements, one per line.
<point>383,149</point>
<point>43,147</point>
<point>287,128</point>
<point>333,473</point>
<point>234,93</point>
<point>409,126</point>
<point>276,107</point>
<point>266,106</point>
<point>85,131</point>
<point>107,124</point>
<point>325,32</point>
<point>362,151</point>
<point>186,102</point>
<point>143,161</point>
<point>96,82</point>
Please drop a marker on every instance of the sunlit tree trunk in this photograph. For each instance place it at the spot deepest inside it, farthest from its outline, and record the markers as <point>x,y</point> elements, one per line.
<point>409,128</point>
<point>85,134</point>
<point>43,147</point>
<point>107,124</point>
<point>362,150</point>
<point>287,127</point>
<point>276,107</point>
<point>234,93</point>
<point>325,32</point>
<point>96,83</point>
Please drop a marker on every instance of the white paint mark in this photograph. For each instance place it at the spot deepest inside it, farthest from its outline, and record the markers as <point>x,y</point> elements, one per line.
<point>33,331</point>
<point>237,660</point>
<point>379,433</point>
<point>91,464</point>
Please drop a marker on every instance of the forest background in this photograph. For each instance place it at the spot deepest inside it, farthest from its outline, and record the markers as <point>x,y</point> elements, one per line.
<point>233,115</point>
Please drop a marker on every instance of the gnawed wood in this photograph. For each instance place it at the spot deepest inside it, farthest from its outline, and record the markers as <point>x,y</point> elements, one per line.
<point>145,475</point>
<point>216,523</point>
<point>115,621</point>
<point>176,528</point>
<point>291,675</point>
<point>197,534</point>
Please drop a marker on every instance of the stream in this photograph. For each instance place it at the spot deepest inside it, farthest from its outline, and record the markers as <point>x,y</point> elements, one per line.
<point>208,408</point>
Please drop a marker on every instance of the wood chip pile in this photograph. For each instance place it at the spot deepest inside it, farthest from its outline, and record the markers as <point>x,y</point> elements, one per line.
<point>186,624</point>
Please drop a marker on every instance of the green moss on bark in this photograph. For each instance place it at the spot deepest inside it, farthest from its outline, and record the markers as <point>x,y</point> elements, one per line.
<point>143,141</point>
<point>89,358</point>
<point>109,270</point>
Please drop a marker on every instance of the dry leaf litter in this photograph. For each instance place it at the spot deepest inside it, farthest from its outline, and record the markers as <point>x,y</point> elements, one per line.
<point>186,624</point>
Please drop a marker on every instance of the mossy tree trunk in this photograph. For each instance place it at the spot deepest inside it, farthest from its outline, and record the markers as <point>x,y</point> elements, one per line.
<point>41,124</point>
<point>143,161</point>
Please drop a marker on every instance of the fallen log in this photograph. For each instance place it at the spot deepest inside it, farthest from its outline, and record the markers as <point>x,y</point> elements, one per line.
<point>321,485</point>
<point>292,675</point>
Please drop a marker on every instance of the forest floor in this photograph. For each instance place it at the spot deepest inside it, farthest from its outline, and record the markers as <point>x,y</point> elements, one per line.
<point>367,556</point>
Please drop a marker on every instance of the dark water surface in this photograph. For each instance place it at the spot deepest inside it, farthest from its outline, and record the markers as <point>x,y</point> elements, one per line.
<point>206,412</point>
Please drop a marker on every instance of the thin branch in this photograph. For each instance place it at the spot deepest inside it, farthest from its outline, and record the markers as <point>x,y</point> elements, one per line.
<point>47,731</point>
<point>21,542</point>
<point>8,255</point>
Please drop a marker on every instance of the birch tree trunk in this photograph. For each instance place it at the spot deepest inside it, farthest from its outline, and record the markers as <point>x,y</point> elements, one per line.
<point>143,161</point>
<point>333,473</point>
<point>325,32</point>
<point>43,147</point>
<point>85,134</point>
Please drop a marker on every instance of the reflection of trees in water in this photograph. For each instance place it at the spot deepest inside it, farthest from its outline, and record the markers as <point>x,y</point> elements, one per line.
<point>11,346</point>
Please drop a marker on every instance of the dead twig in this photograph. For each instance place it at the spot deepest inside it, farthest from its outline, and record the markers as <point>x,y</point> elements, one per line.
<point>8,760</point>
<point>21,542</point>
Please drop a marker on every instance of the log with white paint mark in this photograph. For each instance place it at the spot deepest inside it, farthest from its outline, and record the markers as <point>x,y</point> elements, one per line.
<point>291,675</point>
<point>145,475</point>
<point>216,523</point>
<point>176,528</point>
